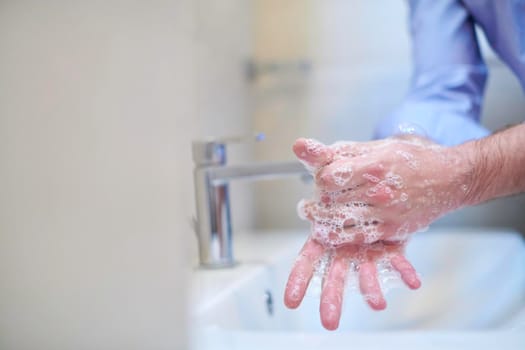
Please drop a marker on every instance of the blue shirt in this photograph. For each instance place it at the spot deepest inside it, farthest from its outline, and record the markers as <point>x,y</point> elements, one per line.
<point>449,75</point>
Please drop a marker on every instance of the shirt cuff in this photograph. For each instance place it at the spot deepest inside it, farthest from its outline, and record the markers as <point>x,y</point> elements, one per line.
<point>444,127</point>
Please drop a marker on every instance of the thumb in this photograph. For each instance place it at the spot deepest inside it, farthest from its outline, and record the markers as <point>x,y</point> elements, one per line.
<point>312,152</point>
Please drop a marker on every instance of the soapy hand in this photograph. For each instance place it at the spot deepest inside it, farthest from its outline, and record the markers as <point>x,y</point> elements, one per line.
<point>380,190</point>
<point>370,198</point>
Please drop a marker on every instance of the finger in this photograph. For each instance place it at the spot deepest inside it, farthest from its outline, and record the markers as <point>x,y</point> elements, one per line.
<point>354,149</point>
<point>332,294</point>
<point>368,231</point>
<point>338,237</point>
<point>369,286</point>
<point>407,271</point>
<point>336,176</point>
<point>351,223</point>
<point>347,148</point>
<point>379,194</point>
<point>323,231</point>
<point>348,173</point>
<point>307,209</point>
<point>312,152</point>
<point>301,273</point>
<point>364,194</point>
<point>350,230</point>
<point>327,197</point>
<point>355,195</point>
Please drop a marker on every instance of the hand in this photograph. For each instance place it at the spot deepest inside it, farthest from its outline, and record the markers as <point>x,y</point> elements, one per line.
<point>370,197</point>
<point>381,190</point>
<point>363,258</point>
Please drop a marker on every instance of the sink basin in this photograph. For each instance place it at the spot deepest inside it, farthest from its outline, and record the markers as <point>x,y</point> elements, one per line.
<point>472,295</point>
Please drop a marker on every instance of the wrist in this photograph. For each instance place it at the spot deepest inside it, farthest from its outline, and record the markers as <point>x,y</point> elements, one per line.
<point>469,171</point>
<point>478,172</point>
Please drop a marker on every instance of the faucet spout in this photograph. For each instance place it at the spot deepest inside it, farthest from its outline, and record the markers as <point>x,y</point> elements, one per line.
<point>219,175</point>
<point>213,226</point>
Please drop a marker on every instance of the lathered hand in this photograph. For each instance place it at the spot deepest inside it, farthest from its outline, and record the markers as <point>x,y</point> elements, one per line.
<point>381,190</point>
<point>370,197</point>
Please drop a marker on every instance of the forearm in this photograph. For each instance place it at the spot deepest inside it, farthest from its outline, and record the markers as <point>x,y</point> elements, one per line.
<point>495,165</point>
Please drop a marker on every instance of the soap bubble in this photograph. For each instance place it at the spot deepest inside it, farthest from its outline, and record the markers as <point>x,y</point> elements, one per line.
<point>407,128</point>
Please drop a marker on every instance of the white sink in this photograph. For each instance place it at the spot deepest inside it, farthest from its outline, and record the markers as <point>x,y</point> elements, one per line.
<point>473,296</point>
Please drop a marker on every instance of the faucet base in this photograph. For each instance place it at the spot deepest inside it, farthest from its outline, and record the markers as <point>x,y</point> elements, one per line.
<point>218,265</point>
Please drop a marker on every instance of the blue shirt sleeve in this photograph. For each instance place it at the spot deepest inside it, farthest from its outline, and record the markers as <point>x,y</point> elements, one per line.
<point>449,75</point>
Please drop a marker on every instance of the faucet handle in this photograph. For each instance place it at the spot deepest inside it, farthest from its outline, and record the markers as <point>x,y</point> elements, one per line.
<point>257,137</point>
<point>212,151</point>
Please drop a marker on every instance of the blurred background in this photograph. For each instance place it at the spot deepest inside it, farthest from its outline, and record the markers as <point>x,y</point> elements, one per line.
<point>99,103</point>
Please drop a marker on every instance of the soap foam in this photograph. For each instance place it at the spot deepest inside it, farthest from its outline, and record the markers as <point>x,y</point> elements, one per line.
<point>349,216</point>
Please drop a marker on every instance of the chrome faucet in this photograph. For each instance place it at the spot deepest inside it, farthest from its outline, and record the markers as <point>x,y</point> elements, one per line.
<point>212,176</point>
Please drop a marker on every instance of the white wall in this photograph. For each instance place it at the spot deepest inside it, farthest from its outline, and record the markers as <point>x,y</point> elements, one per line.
<point>223,39</point>
<point>360,56</point>
<point>99,102</point>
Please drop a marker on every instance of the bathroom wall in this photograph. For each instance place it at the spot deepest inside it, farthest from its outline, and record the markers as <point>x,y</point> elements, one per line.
<point>99,102</point>
<point>222,46</point>
<point>358,67</point>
